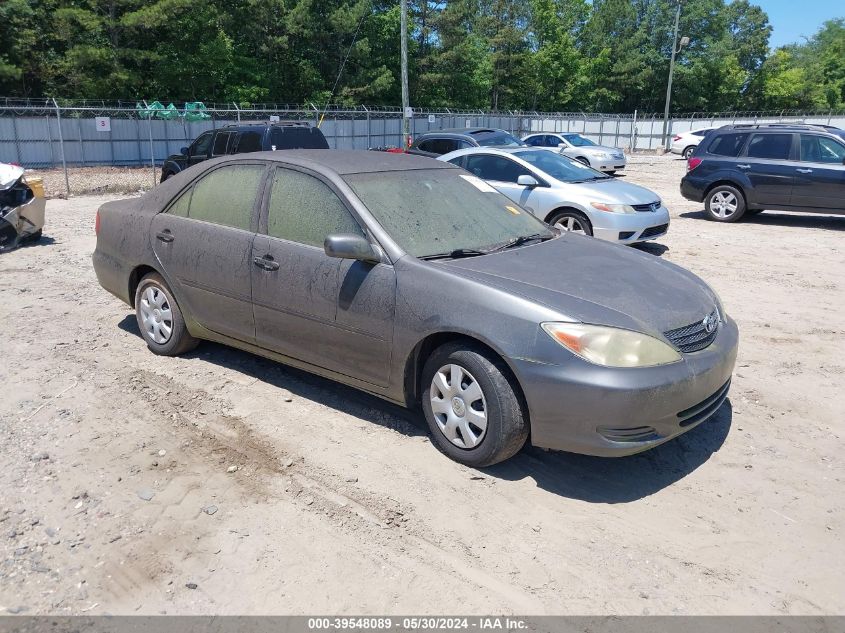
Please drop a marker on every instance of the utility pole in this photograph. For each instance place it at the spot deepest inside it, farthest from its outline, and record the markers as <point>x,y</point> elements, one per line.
<point>403,21</point>
<point>675,50</point>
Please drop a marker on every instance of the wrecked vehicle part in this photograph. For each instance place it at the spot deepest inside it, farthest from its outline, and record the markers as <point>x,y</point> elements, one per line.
<point>22,206</point>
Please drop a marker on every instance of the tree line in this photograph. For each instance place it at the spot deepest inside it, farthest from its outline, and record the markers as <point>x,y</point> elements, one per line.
<point>551,55</point>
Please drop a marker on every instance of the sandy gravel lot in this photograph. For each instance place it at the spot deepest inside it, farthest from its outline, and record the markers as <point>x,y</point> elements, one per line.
<point>116,495</point>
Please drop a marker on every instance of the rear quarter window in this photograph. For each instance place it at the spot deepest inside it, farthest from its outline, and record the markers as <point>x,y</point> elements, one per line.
<point>728,144</point>
<point>249,142</point>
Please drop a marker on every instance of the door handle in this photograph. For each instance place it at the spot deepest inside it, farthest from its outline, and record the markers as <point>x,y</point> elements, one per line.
<point>266,262</point>
<point>744,166</point>
<point>165,236</point>
<point>804,171</point>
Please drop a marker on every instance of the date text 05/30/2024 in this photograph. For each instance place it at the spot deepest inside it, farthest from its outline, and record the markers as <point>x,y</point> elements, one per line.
<point>416,623</point>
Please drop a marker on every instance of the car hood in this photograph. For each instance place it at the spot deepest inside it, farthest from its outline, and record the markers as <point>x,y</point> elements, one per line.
<point>613,190</point>
<point>596,282</point>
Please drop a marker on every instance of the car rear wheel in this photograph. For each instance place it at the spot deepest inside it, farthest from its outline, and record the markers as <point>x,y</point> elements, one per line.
<point>160,319</point>
<point>724,204</point>
<point>688,151</point>
<point>573,221</point>
<point>471,405</point>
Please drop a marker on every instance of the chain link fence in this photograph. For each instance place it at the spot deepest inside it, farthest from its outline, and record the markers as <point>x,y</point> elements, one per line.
<point>102,147</point>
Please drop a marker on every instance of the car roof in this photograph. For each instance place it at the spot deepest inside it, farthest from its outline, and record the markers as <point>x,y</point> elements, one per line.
<point>780,127</point>
<point>469,132</point>
<point>488,150</point>
<point>339,161</point>
<point>263,124</point>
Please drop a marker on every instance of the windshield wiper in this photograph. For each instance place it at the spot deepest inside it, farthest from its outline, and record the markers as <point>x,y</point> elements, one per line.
<point>455,254</point>
<point>522,239</point>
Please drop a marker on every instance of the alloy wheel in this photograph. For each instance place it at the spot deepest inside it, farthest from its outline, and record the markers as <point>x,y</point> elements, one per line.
<point>570,223</point>
<point>156,316</point>
<point>723,204</point>
<point>459,406</point>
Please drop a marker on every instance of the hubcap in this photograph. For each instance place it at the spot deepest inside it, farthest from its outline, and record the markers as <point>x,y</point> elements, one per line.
<point>156,317</point>
<point>570,223</point>
<point>459,407</point>
<point>723,204</point>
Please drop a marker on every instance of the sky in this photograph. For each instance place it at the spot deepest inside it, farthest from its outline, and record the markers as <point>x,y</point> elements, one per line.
<point>791,20</point>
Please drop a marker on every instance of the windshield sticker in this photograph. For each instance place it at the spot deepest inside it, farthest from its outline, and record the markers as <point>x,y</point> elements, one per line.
<point>478,184</point>
<point>513,210</point>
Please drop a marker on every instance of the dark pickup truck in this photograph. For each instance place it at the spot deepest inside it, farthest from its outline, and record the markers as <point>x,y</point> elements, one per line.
<point>245,137</point>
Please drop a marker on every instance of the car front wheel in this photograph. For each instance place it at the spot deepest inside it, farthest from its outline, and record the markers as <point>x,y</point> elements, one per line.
<point>724,204</point>
<point>573,221</point>
<point>471,405</point>
<point>160,319</point>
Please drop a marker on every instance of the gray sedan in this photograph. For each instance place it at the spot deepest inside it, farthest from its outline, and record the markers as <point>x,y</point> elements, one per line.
<point>582,149</point>
<point>415,281</point>
<point>567,194</point>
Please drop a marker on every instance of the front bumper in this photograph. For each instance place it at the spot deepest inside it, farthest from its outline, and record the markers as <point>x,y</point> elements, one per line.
<point>585,408</point>
<point>630,228</point>
<point>608,164</point>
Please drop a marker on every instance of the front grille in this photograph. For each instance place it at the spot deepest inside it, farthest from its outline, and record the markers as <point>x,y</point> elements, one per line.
<point>694,337</point>
<point>647,208</point>
<point>653,231</point>
<point>705,408</point>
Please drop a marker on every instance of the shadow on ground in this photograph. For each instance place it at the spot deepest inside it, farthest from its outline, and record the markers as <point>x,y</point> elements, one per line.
<point>652,248</point>
<point>775,218</point>
<point>591,479</point>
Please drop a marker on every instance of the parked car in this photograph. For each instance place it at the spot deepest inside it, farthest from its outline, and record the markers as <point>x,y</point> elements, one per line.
<point>686,142</point>
<point>567,194</point>
<point>582,149</point>
<point>743,169</point>
<point>21,207</point>
<point>242,138</point>
<point>434,144</point>
<point>415,281</point>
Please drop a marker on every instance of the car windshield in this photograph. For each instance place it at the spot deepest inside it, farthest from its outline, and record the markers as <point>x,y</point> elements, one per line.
<point>560,167</point>
<point>577,140</point>
<point>433,211</point>
<point>497,139</point>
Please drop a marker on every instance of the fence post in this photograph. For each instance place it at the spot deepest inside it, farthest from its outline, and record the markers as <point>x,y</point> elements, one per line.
<point>369,144</point>
<point>17,141</point>
<point>62,146</point>
<point>152,151</point>
<point>634,133</point>
<point>238,111</point>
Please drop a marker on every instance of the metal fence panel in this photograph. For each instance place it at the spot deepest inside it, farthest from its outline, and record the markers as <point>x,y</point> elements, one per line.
<point>43,134</point>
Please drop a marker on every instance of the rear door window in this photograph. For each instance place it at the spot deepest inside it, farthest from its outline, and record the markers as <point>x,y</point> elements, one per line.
<point>770,146</point>
<point>821,149</point>
<point>498,168</point>
<point>728,144</point>
<point>226,196</point>
<point>306,210</point>
<point>221,143</point>
<point>439,145</point>
<point>249,141</point>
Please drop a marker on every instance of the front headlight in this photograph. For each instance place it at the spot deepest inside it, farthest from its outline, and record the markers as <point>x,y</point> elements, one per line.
<point>613,208</point>
<point>603,155</point>
<point>610,346</point>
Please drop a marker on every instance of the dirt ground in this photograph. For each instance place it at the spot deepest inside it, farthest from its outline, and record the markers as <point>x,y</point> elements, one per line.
<point>224,483</point>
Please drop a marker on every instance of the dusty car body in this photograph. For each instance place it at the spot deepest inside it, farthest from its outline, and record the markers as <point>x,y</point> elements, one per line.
<point>402,291</point>
<point>21,208</point>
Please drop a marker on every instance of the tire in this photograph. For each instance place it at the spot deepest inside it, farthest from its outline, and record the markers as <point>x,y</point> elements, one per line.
<point>570,220</point>
<point>499,405</point>
<point>581,159</point>
<point>153,301</point>
<point>724,203</point>
<point>33,237</point>
<point>165,175</point>
<point>688,151</point>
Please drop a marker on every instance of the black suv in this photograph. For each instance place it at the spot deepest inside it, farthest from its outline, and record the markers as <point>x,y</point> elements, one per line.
<point>743,169</point>
<point>245,137</point>
<point>445,141</point>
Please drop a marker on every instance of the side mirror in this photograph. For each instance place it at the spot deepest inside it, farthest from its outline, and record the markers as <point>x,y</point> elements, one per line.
<point>184,151</point>
<point>344,246</point>
<point>561,145</point>
<point>527,181</point>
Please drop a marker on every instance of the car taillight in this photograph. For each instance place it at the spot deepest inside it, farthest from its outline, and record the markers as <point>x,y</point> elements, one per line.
<point>677,138</point>
<point>692,163</point>
<point>97,224</point>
